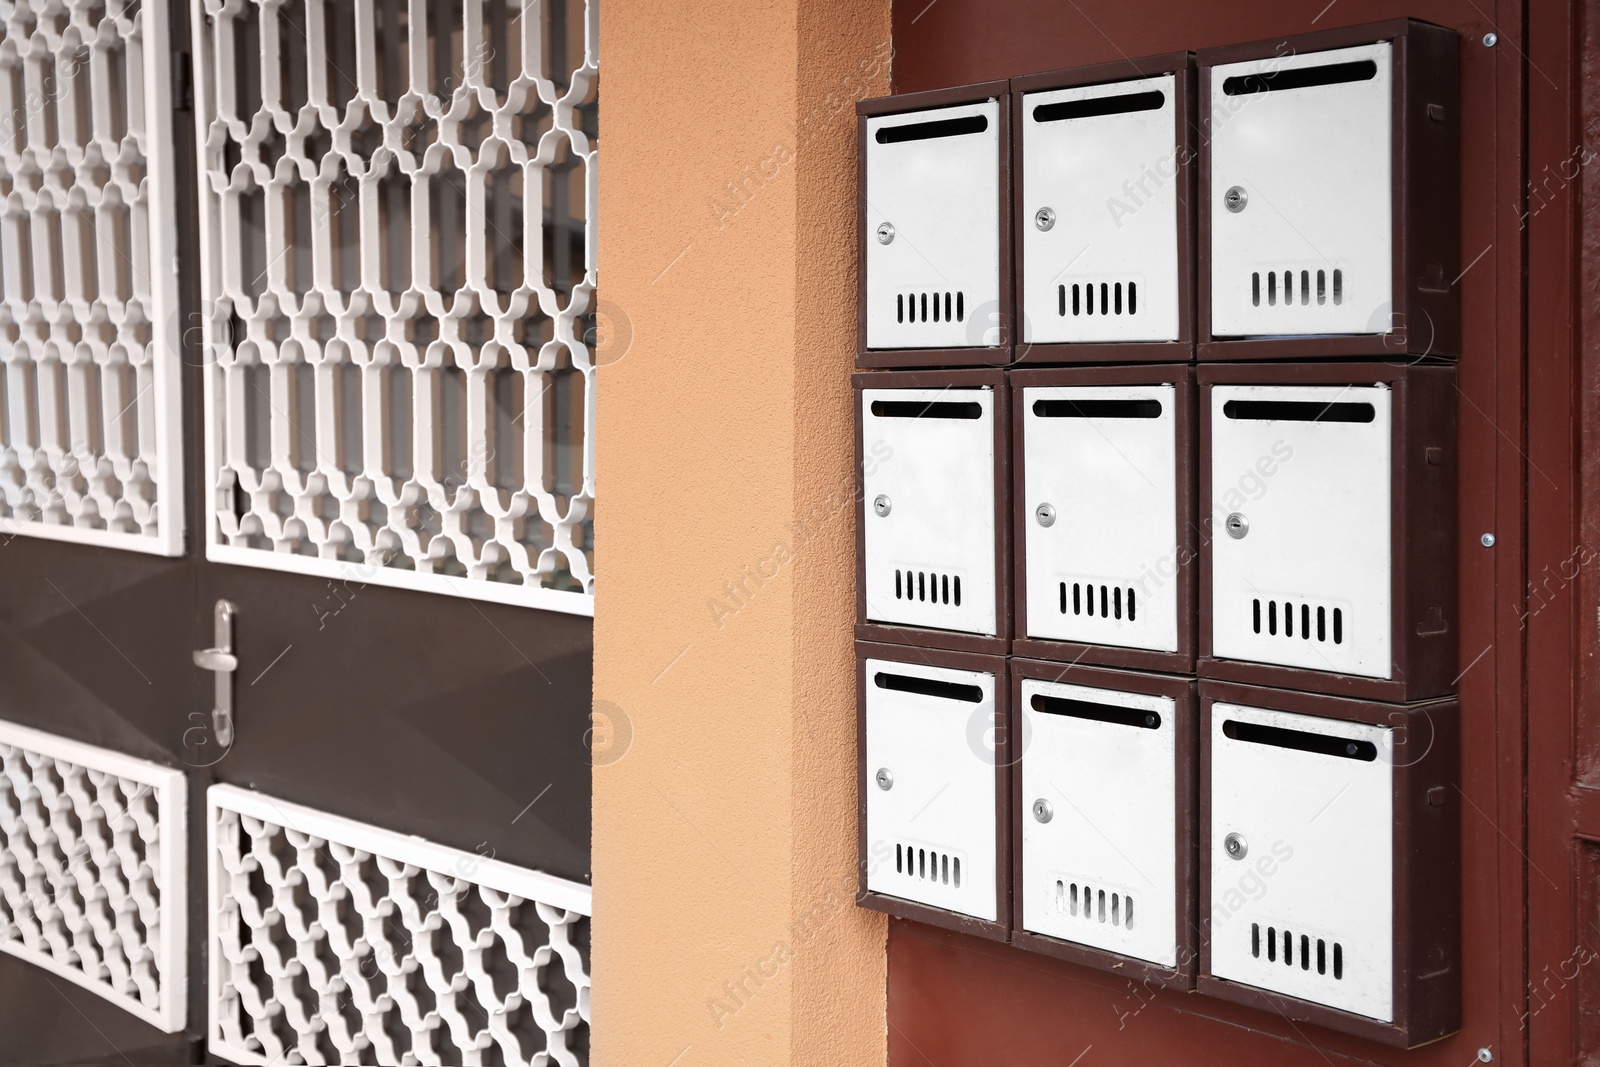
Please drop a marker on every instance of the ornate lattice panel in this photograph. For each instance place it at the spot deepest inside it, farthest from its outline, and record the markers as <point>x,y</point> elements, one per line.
<point>399,284</point>
<point>92,870</point>
<point>337,942</point>
<point>90,432</point>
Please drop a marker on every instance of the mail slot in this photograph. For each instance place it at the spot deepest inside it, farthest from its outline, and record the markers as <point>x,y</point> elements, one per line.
<point>1105,172</point>
<point>1330,862</point>
<point>1330,195</point>
<point>933,559</point>
<point>1329,559</point>
<point>1103,804</point>
<point>935,288</point>
<point>933,787</point>
<point>1104,517</point>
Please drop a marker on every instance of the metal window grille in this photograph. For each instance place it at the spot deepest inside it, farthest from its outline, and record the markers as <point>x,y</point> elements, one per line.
<point>334,941</point>
<point>93,868</point>
<point>399,290</point>
<point>90,433</point>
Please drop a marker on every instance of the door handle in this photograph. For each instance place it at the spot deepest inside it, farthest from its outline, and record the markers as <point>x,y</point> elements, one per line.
<point>221,662</point>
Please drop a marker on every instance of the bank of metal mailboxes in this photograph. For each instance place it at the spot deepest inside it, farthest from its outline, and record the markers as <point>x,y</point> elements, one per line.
<point>1329,558</point>
<point>1330,860</point>
<point>1105,515</point>
<point>1105,189</point>
<point>932,550</point>
<point>933,787</point>
<point>935,228</point>
<point>1329,192</point>
<point>1103,807</point>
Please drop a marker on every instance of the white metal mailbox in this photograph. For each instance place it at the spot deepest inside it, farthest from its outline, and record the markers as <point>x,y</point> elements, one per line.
<point>1301,857</point>
<point>1100,514</point>
<point>932,226</point>
<point>1098,818</point>
<point>1301,194</point>
<point>928,505</point>
<point>1301,539</point>
<point>930,786</point>
<point>1104,182</point>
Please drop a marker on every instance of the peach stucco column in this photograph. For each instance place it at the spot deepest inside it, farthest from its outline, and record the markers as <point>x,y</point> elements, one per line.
<point>724,787</point>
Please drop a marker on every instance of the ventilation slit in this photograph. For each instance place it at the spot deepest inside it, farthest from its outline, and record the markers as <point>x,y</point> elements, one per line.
<point>1322,956</point>
<point>958,590</point>
<point>1105,604</point>
<point>1127,913</point>
<point>1288,619</point>
<point>1272,945</point>
<point>1305,287</point>
<point>1077,599</point>
<point>922,586</point>
<point>1288,288</point>
<point>899,868</point>
<point>1074,898</point>
<point>935,307</point>
<point>922,863</point>
<point>1255,940</point>
<point>897,595</point>
<point>1061,300</point>
<point>1088,300</point>
<point>956,865</point>
<point>1075,299</point>
<point>1117,600</point>
<point>900,307</point>
<point>944,584</point>
<point>1338,287</point>
<point>1322,287</point>
<point>1272,288</point>
<point>1288,949</point>
<point>1118,294</point>
<point>1272,617</point>
<point>1133,298</point>
<point>1256,611</point>
<point>947,307</point>
<point>1100,895</point>
<point>924,307</point>
<point>1338,627</point>
<point>944,869</point>
<point>1063,598</point>
<point>1305,953</point>
<point>1322,624</point>
<point>1130,603</point>
<point>1305,622</point>
<point>1255,288</point>
<point>1338,960</point>
<point>961,307</point>
<point>1105,298</point>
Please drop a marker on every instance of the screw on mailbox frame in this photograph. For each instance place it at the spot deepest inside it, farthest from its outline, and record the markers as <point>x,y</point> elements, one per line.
<point>884,778</point>
<point>1044,218</point>
<point>1235,846</point>
<point>1045,514</point>
<point>881,505</point>
<point>1487,540</point>
<point>885,232</point>
<point>1237,525</point>
<point>1042,810</point>
<point>1489,41</point>
<point>1235,199</point>
<point>1485,1056</point>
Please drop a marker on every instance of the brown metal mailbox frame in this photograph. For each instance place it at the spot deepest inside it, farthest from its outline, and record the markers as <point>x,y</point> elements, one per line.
<point>1425,198</point>
<point>1423,530</point>
<point>1186,139</point>
<point>1186,717</point>
<point>999,643</point>
<point>996,356</point>
<point>1427,868</point>
<point>1186,539</point>
<point>1000,929</point>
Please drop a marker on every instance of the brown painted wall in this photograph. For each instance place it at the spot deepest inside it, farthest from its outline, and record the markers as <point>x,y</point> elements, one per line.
<point>724,829</point>
<point>954,1000</point>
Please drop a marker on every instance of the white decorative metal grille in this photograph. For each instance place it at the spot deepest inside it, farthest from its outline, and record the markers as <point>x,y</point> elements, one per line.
<point>334,941</point>
<point>399,284</point>
<point>92,870</point>
<point>90,432</point>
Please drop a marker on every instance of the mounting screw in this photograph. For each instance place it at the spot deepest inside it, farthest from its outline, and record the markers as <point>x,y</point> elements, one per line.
<point>1044,218</point>
<point>1487,540</point>
<point>1042,810</point>
<point>1045,514</point>
<point>1484,1055</point>
<point>1237,525</point>
<point>1235,846</point>
<point>1489,41</point>
<point>1235,199</point>
<point>881,504</point>
<point>885,779</point>
<point>885,232</point>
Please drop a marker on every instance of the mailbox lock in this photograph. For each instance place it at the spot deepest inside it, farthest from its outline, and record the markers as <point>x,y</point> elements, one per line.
<point>1045,514</point>
<point>885,232</point>
<point>1042,810</point>
<point>1237,525</point>
<point>881,504</point>
<point>1235,199</point>
<point>885,779</point>
<point>1235,846</point>
<point>1044,218</point>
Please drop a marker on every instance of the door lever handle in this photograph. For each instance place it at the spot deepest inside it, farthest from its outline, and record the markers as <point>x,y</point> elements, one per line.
<point>221,662</point>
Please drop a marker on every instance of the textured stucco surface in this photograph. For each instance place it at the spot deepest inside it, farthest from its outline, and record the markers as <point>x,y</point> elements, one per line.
<point>724,834</point>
